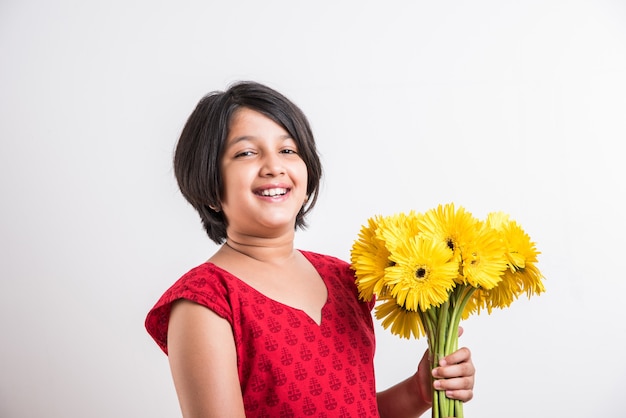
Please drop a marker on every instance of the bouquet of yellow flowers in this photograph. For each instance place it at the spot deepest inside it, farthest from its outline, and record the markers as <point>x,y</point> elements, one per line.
<point>429,270</point>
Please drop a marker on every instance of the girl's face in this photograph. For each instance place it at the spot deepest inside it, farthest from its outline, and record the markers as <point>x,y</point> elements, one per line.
<point>265,180</point>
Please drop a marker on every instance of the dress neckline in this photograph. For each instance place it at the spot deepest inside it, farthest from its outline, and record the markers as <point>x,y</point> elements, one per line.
<point>292,308</point>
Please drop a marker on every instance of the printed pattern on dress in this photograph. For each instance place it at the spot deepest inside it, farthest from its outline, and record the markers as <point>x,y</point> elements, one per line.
<point>289,366</point>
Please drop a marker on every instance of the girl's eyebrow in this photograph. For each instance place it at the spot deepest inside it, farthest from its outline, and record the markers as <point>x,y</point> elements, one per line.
<point>252,138</point>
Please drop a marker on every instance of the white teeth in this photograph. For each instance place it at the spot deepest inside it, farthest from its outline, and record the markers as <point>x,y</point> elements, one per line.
<point>273,192</point>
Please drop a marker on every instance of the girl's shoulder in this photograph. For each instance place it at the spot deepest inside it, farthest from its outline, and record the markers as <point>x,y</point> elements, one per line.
<point>205,284</point>
<point>333,269</point>
<point>324,259</point>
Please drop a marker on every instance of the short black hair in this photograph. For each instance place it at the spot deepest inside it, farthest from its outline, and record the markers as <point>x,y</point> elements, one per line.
<point>201,145</point>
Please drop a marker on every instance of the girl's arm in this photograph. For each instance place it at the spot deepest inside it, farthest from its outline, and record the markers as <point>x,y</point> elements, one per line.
<point>412,397</point>
<point>203,360</point>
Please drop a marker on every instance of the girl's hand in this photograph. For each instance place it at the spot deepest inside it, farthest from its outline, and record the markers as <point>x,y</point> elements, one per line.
<point>455,375</point>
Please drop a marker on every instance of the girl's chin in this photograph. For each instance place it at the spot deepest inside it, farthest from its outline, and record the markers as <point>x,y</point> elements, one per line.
<point>269,227</point>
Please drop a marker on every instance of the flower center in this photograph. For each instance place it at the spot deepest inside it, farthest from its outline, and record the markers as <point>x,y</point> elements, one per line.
<point>420,273</point>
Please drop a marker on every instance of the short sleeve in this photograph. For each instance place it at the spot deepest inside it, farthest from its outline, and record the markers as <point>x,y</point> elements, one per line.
<point>204,285</point>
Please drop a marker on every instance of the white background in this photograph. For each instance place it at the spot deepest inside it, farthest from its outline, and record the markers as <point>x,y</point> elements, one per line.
<point>516,106</point>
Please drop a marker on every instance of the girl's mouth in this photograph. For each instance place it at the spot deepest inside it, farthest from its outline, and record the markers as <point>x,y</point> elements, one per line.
<point>277,191</point>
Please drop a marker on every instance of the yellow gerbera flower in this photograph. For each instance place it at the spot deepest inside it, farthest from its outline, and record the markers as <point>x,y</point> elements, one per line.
<point>483,259</point>
<point>431,270</point>
<point>500,296</point>
<point>398,228</point>
<point>455,228</point>
<point>522,275</point>
<point>512,239</point>
<point>369,258</point>
<point>404,323</point>
<point>423,273</point>
<point>521,252</point>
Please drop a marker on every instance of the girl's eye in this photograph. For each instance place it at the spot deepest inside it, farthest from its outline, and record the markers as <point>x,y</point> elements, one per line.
<point>289,151</point>
<point>243,154</point>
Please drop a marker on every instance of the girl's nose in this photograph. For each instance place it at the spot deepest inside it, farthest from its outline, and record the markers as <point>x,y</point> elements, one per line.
<point>272,165</point>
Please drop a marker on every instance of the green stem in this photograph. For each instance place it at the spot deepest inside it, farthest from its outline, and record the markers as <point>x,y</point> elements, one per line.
<point>429,319</point>
<point>441,324</point>
<point>458,408</point>
<point>460,298</point>
<point>441,338</point>
<point>431,316</point>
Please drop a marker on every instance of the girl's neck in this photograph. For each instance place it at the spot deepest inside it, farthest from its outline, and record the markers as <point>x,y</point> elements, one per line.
<point>267,250</point>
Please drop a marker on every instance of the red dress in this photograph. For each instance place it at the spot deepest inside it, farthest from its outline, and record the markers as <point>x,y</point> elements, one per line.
<point>289,366</point>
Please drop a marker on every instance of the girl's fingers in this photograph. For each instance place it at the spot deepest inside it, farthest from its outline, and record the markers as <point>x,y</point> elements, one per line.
<point>455,375</point>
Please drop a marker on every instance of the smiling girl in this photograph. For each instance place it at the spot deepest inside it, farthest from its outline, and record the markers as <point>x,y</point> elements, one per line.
<point>262,329</point>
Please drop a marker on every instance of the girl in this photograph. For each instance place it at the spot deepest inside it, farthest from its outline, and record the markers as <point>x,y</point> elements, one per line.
<point>263,329</point>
